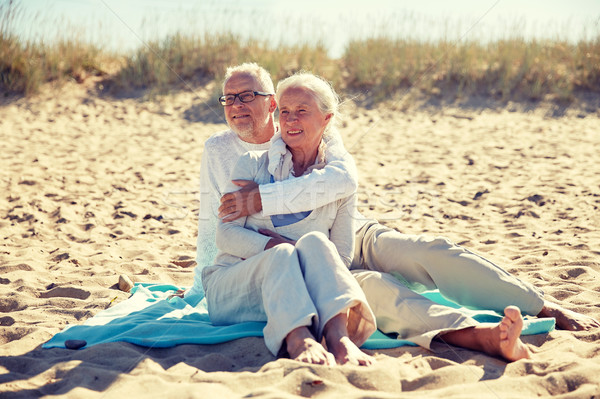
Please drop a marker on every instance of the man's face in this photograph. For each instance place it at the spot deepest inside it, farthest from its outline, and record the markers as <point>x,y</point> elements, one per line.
<point>248,120</point>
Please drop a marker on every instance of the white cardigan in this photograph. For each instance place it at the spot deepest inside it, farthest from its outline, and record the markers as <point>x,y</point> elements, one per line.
<point>240,239</point>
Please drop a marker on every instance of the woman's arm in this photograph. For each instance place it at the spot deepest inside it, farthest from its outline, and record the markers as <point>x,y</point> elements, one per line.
<point>335,181</point>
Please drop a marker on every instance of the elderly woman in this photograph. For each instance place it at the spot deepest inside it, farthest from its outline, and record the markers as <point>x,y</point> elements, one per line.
<point>292,271</point>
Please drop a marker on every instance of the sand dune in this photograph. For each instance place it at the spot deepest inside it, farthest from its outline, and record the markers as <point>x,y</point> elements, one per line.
<point>95,187</point>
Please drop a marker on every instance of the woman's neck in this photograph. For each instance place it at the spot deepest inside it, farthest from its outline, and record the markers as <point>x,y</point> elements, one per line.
<point>302,160</point>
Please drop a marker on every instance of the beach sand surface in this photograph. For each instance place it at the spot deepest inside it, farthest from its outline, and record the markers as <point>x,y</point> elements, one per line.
<point>93,187</point>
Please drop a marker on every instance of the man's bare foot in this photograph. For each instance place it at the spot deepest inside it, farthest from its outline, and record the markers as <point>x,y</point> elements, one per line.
<point>180,293</point>
<point>342,347</point>
<point>502,339</point>
<point>567,319</point>
<point>302,346</point>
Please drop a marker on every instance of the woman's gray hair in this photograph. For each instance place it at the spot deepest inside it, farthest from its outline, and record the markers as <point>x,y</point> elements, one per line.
<point>251,68</point>
<point>326,97</point>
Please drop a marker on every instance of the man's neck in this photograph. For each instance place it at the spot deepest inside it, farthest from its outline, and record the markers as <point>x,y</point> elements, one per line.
<point>262,136</point>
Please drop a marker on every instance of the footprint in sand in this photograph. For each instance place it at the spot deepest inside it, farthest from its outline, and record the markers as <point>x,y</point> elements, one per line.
<point>66,292</point>
<point>14,268</point>
<point>8,305</point>
<point>15,334</point>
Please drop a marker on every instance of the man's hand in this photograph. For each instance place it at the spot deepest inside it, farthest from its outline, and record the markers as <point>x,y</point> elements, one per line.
<point>276,238</point>
<point>244,202</point>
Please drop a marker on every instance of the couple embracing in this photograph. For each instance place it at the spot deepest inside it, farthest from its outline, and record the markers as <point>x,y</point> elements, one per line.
<point>280,241</point>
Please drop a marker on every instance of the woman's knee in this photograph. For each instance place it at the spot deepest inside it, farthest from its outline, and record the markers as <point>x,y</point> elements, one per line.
<point>284,249</point>
<point>312,240</point>
<point>282,269</point>
<point>280,256</point>
<point>315,244</point>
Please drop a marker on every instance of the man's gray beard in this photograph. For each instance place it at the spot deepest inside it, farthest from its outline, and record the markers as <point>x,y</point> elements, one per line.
<point>244,134</point>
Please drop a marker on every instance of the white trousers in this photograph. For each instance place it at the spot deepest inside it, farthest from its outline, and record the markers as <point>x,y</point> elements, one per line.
<point>424,263</point>
<point>288,287</point>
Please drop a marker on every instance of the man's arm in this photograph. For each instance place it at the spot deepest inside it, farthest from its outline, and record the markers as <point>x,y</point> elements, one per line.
<point>232,237</point>
<point>336,180</point>
<point>206,249</point>
<point>342,232</point>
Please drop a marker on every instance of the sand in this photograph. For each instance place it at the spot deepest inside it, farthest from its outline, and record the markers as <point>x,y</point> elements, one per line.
<point>94,187</point>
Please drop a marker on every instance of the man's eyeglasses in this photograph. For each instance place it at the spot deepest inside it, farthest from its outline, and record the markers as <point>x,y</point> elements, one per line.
<point>245,97</point>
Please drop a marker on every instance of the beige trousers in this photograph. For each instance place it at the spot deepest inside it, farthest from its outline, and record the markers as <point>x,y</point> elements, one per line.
<point>420,263</point>
<point>288,287</point>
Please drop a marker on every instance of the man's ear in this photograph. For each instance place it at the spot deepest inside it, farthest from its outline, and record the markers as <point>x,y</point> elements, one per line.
<point>328,117</point>
<point>273,105</point>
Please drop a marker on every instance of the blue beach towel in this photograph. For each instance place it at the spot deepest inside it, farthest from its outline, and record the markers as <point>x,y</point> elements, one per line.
<point>150,318</point>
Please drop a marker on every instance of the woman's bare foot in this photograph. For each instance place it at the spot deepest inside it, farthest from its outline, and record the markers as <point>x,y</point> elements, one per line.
<point>341,346</point>
<point>567,319</point>
<point>345,351</point>
<point>510,346</point>
<point>302,346</point>
<point>502,339</point>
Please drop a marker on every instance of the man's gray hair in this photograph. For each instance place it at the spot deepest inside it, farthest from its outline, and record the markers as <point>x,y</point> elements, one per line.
<point>251,68</point>
<point>326,97</point>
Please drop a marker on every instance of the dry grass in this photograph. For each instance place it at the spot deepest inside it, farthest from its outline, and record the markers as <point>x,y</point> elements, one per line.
<point>25,66</point>
<point>179,60</point>
<point>512,69</point>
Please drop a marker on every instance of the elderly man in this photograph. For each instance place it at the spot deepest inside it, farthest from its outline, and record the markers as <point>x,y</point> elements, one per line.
<point>459,274</point>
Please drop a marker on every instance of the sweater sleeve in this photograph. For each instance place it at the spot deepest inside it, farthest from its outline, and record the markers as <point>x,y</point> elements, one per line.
<point>232,237</point>
<point>337,180</point>
<point>342,232</point>
<point>206,249</point>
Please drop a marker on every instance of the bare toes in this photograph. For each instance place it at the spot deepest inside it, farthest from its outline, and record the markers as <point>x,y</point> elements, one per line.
<point>511,346</point>
<point>513,313</point>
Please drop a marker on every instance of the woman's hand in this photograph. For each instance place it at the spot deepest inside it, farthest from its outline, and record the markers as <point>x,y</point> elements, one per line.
<point>244,202</point>
<point>276,238</point>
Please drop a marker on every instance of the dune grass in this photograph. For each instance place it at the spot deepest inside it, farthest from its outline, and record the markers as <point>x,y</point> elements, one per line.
<point>180,60</point>
<point>25,66</point>
<point>510,69</point>
<point>380,68</point>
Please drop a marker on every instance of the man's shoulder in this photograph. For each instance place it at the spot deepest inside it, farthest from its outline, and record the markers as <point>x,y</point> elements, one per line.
<point>258,157</point>
<point>220,139</point>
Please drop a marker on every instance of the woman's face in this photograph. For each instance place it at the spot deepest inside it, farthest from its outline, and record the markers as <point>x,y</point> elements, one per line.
<point>301,121</point>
